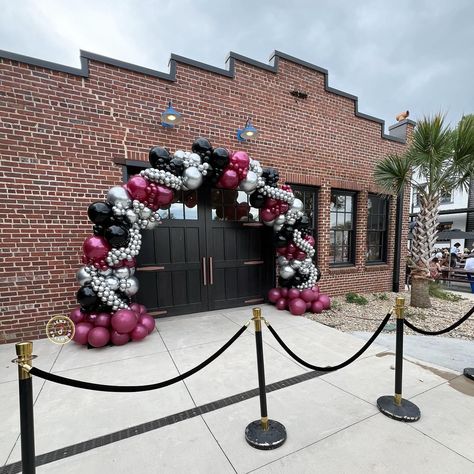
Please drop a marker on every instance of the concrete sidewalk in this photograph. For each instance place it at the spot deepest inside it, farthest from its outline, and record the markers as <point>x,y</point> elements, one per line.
<point>332,420</point>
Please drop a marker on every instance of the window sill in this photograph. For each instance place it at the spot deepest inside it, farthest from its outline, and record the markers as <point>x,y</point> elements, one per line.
<point>376,266</point>
<point>351,268</point>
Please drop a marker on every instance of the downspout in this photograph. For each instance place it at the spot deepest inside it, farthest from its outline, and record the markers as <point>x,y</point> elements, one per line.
<point>398,244</point>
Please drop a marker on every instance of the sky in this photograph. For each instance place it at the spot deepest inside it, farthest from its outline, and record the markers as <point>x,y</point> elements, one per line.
<point>415,55</point>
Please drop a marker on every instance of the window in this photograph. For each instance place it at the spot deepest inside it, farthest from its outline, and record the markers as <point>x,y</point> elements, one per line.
<point>232,205</point>
<point>342,235</point>
<point>446,198</point>
<point>309,198</point>
<point>183,206</point>
<point>377,213</point>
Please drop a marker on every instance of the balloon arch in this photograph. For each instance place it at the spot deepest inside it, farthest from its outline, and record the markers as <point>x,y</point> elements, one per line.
<point>106,313</point>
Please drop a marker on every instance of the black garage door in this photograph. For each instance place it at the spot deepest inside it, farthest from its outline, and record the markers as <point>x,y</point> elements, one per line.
<point>209,252</point>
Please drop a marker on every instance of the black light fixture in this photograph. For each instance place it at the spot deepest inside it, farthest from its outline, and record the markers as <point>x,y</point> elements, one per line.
<point>247,133</point>
<point>170,117</point>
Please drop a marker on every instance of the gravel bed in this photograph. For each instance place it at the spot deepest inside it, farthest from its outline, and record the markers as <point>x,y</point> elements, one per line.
<point>349,317</point>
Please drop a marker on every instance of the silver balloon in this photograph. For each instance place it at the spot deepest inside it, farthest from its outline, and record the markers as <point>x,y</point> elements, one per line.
<point>278,227</point>
<point>106,272</point>
<point>287,272</point>
<point>132,270</point>
<point>82,276</point>
<point>145,213</point>
<point>118,195</point>
<point>192,178</point>
<point>297,205</point>
<point>151,225</point>
<point>295,264</point>
<point>179,154</point>
<point>194,159</point>
<point>282,260</point>
<point>131,216</point>
<point>249,184</point>
<point>280,219</point>
<point>112,282</point>
<point>132,286</point>
<point>122,272</point>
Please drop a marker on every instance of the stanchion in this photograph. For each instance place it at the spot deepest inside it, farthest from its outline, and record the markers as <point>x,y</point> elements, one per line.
<point>397,407</point>
<point>263,433</point>
<point>469,373</point>
<point>24,352</point>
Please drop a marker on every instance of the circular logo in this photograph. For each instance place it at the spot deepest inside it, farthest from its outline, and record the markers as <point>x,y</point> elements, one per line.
<point>60,329</point>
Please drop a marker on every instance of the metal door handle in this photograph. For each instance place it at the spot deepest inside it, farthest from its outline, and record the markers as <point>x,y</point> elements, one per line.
<point>204,271</point>
<point>211,272</point>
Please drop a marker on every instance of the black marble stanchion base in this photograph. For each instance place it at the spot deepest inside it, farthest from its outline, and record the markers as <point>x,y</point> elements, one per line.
<point>259,438</point>
<point>406,411</point>
<point>469,373</point>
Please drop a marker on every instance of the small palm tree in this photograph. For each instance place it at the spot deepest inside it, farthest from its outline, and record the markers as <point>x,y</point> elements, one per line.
<point>444,159</point>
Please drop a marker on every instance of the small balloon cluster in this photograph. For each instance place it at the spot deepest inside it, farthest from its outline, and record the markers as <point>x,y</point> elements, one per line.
<point>107,278</point>
<point>299,301</point>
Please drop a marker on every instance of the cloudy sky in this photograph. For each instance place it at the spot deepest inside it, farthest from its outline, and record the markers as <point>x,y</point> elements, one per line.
<point>394,55</point>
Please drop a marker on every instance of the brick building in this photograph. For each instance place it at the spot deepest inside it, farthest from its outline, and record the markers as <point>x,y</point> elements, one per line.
<point>67,135</point>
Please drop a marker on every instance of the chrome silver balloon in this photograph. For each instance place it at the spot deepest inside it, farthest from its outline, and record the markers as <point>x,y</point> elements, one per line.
<point>83,276</point>
<point>146,213</point>
<point>249,184</point>
<point>295,264</point>
<point>286,272</point>
<point>280,219</point>
<point>112,282</point>
<point>282,260</point>
<point>131,216</point>
<point>179,154</point>
<point>122,272</point>
<point>194,159</point>
<point>118,195</point>
<point>132,286</point>
<point>297,205</point>
<point>192,178</point>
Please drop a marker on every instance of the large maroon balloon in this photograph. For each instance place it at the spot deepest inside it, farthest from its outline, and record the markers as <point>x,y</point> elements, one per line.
<point>308,295</point>
<point>135,307</point>
<point>77,316</point>
<point>310,240</point>
<point>98,337</point>
<point>284,292</point>
<point>229,179</point>
<point>139,333</point>
<point>281,303</point>
<point>147,321</point>
<point>124,321</point>
<point>136,187</point>
<point>293,293</point>
<point>300,255</point>
<point>82,332</point>
<point>267,215</point>
<point>297,306</point>
<point>119,339</point>
<point>164,196</point>
<point>241,159</point>
<point>103,320</point>
<point>274,294</point>
<point>317,307</point>
<point>95,250</point>
<point>325,301</point>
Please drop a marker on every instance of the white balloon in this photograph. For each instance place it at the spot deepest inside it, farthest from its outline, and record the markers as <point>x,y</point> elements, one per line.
<point>192,178</point>
<point>297,205</point>
<point>286,272</point>
<point>118,195</point>
<point>249,184</point>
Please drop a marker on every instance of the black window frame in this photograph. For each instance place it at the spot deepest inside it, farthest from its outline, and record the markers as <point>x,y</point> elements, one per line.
<point>384,231</point>
<point>352,232</point>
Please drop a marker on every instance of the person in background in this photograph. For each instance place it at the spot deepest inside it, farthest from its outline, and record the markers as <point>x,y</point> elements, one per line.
<point>469,268</point>
<point>454,254</point>
<point>435,268</point>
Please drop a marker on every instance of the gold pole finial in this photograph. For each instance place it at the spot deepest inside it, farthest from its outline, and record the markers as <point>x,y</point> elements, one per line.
<point>24,351</point>
<point>257,318</point>
<point>400,306</point>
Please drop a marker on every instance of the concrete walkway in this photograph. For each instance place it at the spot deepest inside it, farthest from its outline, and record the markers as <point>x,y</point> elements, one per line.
<point>332,420</point>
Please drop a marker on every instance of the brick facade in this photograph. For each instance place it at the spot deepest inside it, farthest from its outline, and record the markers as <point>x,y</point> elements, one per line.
<point>64,131</point>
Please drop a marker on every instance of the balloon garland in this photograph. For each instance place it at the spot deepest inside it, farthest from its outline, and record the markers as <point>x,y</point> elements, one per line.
<point>106,313</point>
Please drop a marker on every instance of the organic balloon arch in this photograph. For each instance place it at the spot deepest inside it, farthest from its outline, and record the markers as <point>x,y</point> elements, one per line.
<point>107,314</point>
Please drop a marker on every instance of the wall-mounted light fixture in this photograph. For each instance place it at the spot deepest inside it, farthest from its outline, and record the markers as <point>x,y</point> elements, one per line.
<point>170,117</point>
<point>247,133</point>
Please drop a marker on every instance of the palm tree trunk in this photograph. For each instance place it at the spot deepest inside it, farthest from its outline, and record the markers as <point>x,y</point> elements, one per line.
<point>424,238</point>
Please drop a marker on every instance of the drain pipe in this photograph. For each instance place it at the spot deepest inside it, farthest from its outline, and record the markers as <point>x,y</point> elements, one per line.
<point>398,243</point>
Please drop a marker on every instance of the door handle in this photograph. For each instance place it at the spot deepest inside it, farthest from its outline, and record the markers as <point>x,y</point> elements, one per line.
<point>211,271</point>
<point>204,271</point>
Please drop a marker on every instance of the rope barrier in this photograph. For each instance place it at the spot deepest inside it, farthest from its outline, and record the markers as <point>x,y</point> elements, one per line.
<point>441,331</point>
<point>335,367</point>
<point>131,388</point>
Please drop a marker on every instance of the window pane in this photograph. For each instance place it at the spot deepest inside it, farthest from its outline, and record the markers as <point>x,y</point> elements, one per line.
<point>376,227</point>
<point>333,220</point>
<point>348,203</point>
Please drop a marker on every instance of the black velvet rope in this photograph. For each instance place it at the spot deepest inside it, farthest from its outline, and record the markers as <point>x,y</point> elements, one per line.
<point>134,388</point>
<point>441,331</point>
<point>335,367</point>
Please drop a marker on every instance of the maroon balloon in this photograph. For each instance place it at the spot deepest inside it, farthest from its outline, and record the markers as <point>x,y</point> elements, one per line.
<point>82,332</point>
<point>308,304</point>
<point>297,306</point>
<point>291,248</point>
<point>241,159</point>
<point>135,307</point>
<point>316,289</point>
<point>103,320</point>
<point>281,304</point>
<point>310,240</point>
<point>317,307</point>
<point>98,337</point>
<point>284,208</point>
<point>136,187</point>
<point>124,321</point>
<point>91,318</point>
<point>281,250</point>
<point>300,255</point>
<point>129,263</point>
<point>164,196</point>
<point>95,249</point>
<point>274,294</point>
<point>229,179</point>
<point>119,339</point>
<point>77,316</point>
<point>293,293</point>
<point>325,301</point>
<point>142,309</point>
<point>139,333</point>
<point>147,321</point>
<point>267,215</point>
<point>284,292</point>
<point>308,295</point>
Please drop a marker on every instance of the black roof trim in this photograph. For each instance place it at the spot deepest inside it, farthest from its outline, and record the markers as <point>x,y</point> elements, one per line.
<point>230,73</point>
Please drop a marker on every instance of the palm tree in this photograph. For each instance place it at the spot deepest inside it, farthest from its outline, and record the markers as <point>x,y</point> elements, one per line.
<point>444,159</point>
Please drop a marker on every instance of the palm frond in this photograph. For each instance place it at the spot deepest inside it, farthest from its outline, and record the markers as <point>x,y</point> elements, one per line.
<point>393,173</point>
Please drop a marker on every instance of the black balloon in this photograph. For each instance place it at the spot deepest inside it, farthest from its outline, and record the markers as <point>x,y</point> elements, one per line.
<point>257,200</point>
<point>287,231</point>
<point>271,176</point>
<point>159,157</point>
<point>117,236</point>
<point>99,212</point>
<point>297,280</point>
<point>202,146</point>
<point>98,230</point>
<point>176,166</point>
<point>220,158</point>
<point>87,298</point>
<point>280,240</point>
<point>284,283</point>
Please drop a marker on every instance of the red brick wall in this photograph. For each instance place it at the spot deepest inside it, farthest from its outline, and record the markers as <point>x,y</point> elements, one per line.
<point>60,135</point>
